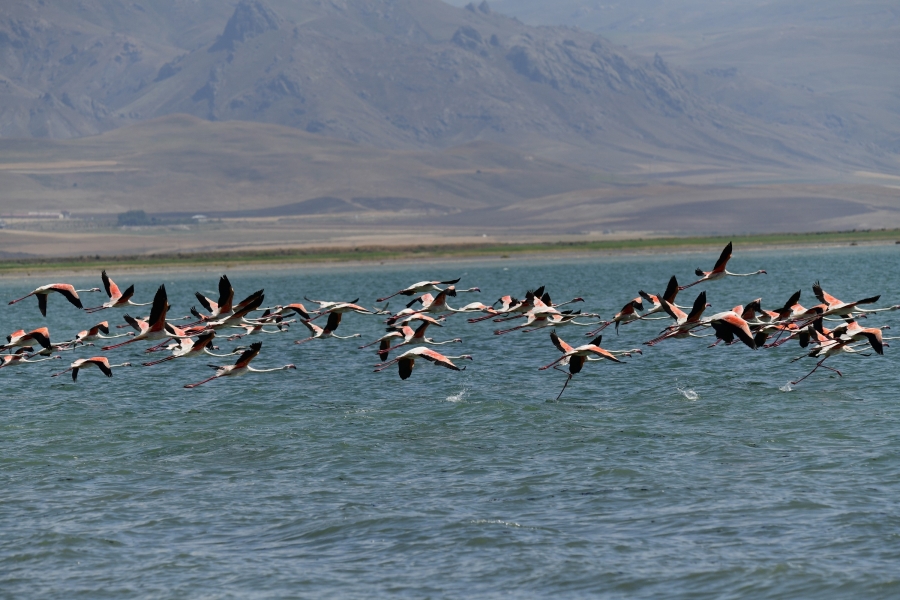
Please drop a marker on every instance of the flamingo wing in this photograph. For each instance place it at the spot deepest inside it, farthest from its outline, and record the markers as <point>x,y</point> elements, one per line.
<point>109,285</point>
<point>69,292</point>
<point>41,336</point>
<point>559,343</point>
<point>405,366</point>
<point>206,303</point>
<point>698,307</point>
<point>437,358</point>
<point>159,308</point>
<point>248,355</point>
<point>723,259</point>
<point>334,319</point>
<point>226,293</point>
<point>42,303</point>
<point>101,363</point>
<point>671,290</point>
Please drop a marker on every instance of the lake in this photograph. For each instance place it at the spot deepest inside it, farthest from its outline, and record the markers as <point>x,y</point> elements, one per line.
<point>687,472</point>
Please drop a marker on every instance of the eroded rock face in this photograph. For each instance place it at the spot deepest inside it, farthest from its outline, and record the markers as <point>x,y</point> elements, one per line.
<point>388,73</point>
<point>250,18</point>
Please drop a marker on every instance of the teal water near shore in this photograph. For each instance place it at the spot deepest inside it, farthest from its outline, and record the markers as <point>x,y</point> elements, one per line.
<point>687,472</point>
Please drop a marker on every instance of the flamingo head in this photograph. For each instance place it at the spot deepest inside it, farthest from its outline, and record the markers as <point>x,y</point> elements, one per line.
<point>290,366</point>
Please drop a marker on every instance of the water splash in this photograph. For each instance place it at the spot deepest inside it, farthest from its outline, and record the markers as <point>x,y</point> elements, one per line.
<point>687,392</point>
<point>459,397</point>
<point>786,387</point>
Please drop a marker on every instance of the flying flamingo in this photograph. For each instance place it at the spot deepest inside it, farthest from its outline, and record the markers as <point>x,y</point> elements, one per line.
<point>418,288</point>
<point>655,304</point>
<point>40,335</point>
<point>238,314</point>
<point>101,362</point>
<point>719,271</point>
<point>240,367</point>
<point>858,333</point>
<point>68,291</point>
<point>21,356</point>
<point>258,326</point>
<point>223,306</point>
<point>844,309</point>
<point>826,351</point>
<point>96,333</point>
<point>730,324</point>
<point>407,361</point>
<point>153,328</point>
<point>628,314</point>
<point>418,337</point>
<point>684,323</point>
<point>576,357</point>
<point>188,348</point>
<point>384,342</point>
<point>117,298</point>
<point>318,333</point>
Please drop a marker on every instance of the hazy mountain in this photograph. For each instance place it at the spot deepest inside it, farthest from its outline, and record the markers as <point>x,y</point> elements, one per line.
<point>822,63</point>
<point>398,74</point>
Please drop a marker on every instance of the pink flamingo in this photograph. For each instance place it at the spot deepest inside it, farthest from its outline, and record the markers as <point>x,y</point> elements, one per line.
<point>719,271</point>
<point>68,292</point>
<point>407,361</point>
<point>240,367</point>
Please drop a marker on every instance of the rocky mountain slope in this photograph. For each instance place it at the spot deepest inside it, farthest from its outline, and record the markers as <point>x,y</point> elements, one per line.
<point>398,74</point>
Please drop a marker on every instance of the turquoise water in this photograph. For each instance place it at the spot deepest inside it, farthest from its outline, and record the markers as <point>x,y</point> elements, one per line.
<point>687,472</point>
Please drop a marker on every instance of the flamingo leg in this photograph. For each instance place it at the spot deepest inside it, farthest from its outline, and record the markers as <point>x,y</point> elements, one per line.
<point>568,379</point>
<point>193,385</point>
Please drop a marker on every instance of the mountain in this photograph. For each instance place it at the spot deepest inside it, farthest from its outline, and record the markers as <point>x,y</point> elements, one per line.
<point>397,74</point>
<point>828,63</point>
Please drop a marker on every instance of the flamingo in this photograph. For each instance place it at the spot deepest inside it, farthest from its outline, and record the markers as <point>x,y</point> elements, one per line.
<point>343,307</point>
<point>655,304</point>
<point>418,337</point>
<point>257,326</point>
<point>512,306</point>
<point>334,319</point>
<point>576,357</point>
<point>843,309</point>
<point>153,328</point>
<point>826,351</point>
<point>223,306</point>
<point>117,298</point>
<point>21,356</point>
<point>384,342</point>
<point>628,314</point>
<point>40,335</point>
<point>96,333</point>
<point>101,362</point>
<point>418,288</point>
<point>857,333</point>
<point>731,324</point>
<point>719,271</point>
<point>188,348</point>
<point>240,367</point>
<point>68,291</point>
<point>683,322</point>
<point>238,314</point>
<point>407,361</point>
<point>507,304</point>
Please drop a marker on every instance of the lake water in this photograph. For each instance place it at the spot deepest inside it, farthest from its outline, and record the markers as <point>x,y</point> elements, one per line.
<point>687,472</point>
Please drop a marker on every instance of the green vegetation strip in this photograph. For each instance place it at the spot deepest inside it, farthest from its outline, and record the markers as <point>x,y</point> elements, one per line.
<point>382,253</point>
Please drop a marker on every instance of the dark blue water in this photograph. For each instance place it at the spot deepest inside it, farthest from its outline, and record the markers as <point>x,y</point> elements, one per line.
<point>687,472</point>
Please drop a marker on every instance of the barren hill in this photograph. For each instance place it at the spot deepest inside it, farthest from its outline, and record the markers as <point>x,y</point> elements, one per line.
<point>401,74</point>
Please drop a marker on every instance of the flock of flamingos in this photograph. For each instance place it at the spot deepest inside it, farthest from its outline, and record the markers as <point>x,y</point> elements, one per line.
<point>824,330</point>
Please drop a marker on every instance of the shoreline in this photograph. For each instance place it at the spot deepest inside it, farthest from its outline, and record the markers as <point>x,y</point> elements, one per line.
<point>327,257</point>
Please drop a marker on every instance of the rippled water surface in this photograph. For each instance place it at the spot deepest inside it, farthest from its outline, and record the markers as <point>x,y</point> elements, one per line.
<point>689,471</point>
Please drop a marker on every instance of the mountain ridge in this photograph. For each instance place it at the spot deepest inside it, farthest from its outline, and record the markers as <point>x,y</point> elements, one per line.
<point>403,74</point>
